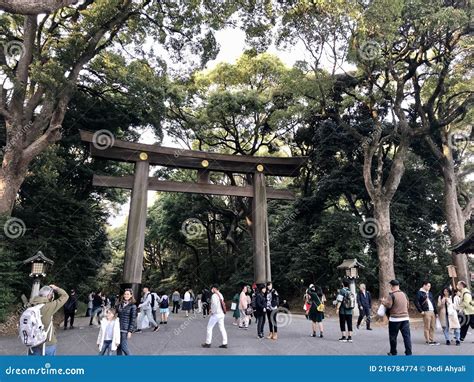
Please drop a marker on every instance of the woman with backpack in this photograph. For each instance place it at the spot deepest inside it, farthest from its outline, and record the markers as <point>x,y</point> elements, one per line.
<point>345,305</point>
<point>127,314</point>
<point>260,307</point>
<point>316,310</point>
<point>164,308</point>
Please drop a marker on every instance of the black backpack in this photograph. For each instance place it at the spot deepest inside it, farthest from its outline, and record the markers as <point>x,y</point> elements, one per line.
<point>164,303</point>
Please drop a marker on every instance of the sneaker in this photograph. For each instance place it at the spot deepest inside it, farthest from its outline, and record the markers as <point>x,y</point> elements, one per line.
<point>369,328</point>
<point>161,322</point>
<point>434,343</point>
<point>321,335</point>
<point>448,342</point>
<point>138,331</point>
<point>156,328</point>
<point>342,339</point>
<point>357,327</point>
<point>260,336</point>
<point>458,343</point>
<point>223,346</point>
<point>165,322</point>
<point>313,335</point>
<point>349,339</point>
<point>235,323</point>
<point>206,345</point>
<point>390,353</point>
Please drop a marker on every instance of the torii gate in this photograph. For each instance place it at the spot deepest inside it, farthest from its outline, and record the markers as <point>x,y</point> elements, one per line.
<point>144,155</point>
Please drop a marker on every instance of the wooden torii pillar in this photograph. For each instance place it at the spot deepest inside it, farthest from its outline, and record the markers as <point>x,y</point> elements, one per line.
<point>144,155</point>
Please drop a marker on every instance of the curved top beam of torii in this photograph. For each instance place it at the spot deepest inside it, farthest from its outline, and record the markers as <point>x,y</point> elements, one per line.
<point>191,159</point>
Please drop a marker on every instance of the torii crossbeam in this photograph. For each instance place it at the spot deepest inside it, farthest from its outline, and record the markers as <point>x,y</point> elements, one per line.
<point>144,155</point>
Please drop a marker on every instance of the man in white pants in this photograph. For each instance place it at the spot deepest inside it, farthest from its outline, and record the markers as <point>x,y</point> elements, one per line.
<point>146,310</point>
<point>217,317</point>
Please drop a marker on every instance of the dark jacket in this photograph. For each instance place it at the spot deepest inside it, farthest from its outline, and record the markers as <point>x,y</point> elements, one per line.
<point>97,302</point>
<point>71,304</point>
<point>127,315</point>
<point>261,304</point>
<point>421,301</point>
<point>364,301</point>
<point>274,299</point>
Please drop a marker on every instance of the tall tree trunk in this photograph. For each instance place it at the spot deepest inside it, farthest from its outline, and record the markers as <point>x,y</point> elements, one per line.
<point>385,245</point>
<point>454,218</point>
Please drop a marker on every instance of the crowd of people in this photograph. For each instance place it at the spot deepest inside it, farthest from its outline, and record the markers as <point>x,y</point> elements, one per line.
<point>119,317</point>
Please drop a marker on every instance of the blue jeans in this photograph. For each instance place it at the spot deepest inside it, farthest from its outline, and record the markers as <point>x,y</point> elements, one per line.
<point>38,350</point>
<point>123,347</point>
<point>106,347</point>
<point>404,328</point>
<point>457,333</point>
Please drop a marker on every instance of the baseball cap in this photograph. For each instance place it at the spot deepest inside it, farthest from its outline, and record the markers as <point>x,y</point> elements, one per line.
<point>394,282</point>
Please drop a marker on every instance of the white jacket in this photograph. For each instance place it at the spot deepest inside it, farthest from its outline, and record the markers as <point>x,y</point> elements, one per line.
<point>116,336</point>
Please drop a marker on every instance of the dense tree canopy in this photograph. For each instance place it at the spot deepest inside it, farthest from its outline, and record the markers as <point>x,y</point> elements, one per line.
<point>381,104</point>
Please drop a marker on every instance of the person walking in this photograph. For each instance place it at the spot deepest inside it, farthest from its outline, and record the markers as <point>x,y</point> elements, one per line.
<point>127,314</point>
<point>273,301</point>
<point>49,308</point>
<point>90,300</point>
<point>70,308</point>
<point>108,339</point>
<point>164,308</point>
<point>217,317</point>
<point>236,310</point>
<point>206,301</point>
<point>260,309</point>
<point>175,298</point>
<point>344,307</point>
<point>316,311</point>
<point>97,307</point>
<point>448,316</point>
<point>199,302</point>
<point>364,301</point>
<point>187,304</point>
<point>155,303</point>
<point>397,305</point>
<point>426,305</point>
<point>243,306</point>
<point>466,305</point>
<point>146,311</point>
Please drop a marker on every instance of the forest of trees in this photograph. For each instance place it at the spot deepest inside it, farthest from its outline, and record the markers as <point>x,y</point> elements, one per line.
<point>381,106</point>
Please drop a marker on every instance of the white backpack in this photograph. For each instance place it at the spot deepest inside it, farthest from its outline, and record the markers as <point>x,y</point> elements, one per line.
<point>32,331</point>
